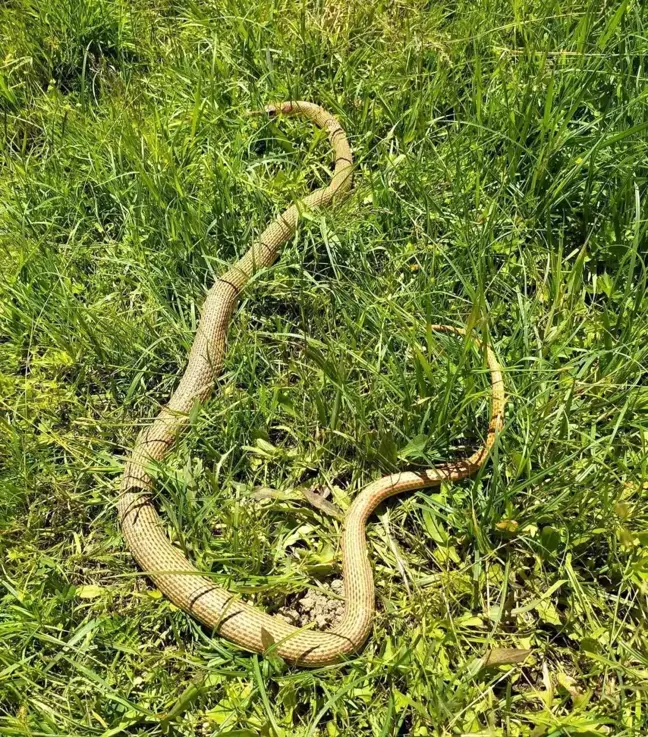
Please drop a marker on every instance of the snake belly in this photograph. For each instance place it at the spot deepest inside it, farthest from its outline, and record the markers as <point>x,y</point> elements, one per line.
<point>142,528</point>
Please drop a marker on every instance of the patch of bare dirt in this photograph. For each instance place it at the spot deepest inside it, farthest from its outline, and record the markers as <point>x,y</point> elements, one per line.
<point>321,606</point>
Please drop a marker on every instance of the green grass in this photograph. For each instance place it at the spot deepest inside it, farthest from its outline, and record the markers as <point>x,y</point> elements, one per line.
<point>502,162</point>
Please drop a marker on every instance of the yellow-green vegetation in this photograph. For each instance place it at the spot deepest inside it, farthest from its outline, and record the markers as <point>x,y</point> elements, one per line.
<point>502,157</point>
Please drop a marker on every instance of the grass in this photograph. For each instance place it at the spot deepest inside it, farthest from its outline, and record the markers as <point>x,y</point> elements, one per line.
<point>501,183</point>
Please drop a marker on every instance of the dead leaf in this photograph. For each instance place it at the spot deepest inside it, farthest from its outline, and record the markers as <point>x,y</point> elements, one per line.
<point>317,497</point>
<point>505,656</point>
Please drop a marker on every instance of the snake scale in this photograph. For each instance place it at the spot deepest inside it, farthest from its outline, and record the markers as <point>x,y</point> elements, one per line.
<point>165,564</point>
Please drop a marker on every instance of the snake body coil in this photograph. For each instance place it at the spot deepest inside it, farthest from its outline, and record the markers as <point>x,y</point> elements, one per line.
<point>166,565</point>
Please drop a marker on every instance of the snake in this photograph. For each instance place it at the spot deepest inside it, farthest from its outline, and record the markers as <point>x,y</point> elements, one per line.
<point>221,610</point>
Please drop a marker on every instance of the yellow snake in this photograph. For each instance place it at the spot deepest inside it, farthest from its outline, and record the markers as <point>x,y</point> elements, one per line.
<point>166,565</point>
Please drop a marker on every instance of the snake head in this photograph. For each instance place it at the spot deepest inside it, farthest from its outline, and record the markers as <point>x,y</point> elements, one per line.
<point>271,111</point>
<point>284,108</point>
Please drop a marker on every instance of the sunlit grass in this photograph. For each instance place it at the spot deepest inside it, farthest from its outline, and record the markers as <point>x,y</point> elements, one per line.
<point>501,157</point>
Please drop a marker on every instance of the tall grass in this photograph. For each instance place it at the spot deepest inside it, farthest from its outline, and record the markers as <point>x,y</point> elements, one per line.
<point>501,184</point>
